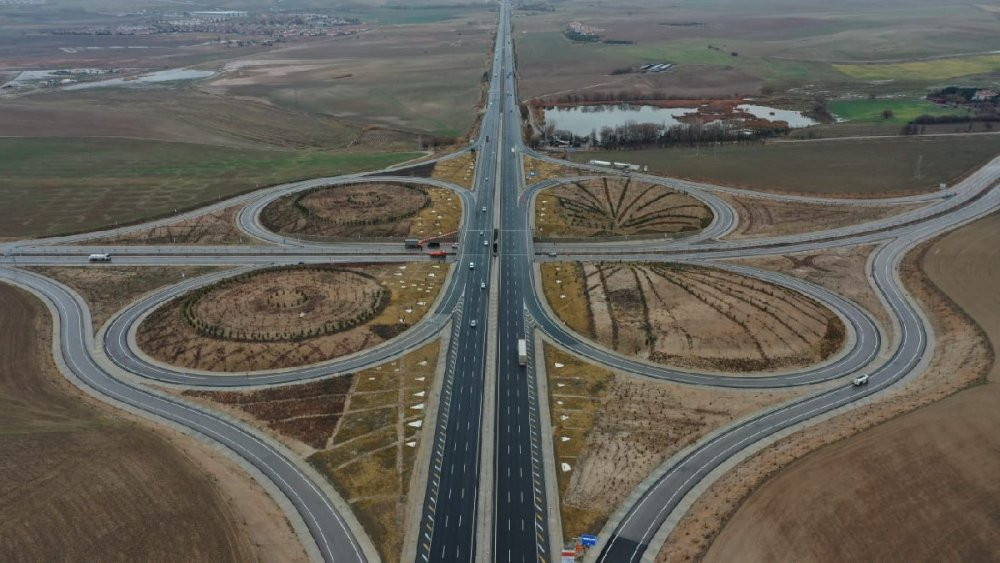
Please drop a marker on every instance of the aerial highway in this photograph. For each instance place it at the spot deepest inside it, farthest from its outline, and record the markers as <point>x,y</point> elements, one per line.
<point>486,499</point>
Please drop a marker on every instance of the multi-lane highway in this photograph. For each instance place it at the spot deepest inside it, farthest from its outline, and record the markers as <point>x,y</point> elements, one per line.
<point>486,500</point>
<point>520,523</point>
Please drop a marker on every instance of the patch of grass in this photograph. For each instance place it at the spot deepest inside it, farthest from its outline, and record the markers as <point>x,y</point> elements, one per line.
<point>903,111</point>
<point>939,69</point>
<point>460,170</point>
<point>374,448</point>
<point>544,170</point>
<point>443,215</point>
<point>616,207</point>
<point>872,167</point>
<point>53,186</point>
<point>576,390</point>
<point>563,285</point>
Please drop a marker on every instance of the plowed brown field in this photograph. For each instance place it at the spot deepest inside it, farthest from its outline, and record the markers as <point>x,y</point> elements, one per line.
<point>921,487</point>
<point>78,483</point>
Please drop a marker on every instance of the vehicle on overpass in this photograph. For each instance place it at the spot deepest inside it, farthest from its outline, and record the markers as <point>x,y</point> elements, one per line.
<point>429,242</point>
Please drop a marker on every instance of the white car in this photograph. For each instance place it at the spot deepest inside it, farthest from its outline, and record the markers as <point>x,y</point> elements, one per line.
<point>860,380</point>
<point>486,243</point>
<point>472,265</point>
<point>473,323</point>
<point>482,285</point>
<point>484,209</point>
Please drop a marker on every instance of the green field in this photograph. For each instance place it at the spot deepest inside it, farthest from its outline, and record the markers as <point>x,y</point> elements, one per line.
<point>696,52</point>
<point>55,186</point>
<point>869,168</point>
<point>903,111</point>
<point>938,69</point>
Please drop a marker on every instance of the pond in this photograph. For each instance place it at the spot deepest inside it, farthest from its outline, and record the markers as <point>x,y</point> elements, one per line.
<point>581,120</point>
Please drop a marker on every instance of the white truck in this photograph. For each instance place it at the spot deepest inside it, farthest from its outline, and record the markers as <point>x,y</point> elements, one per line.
<point>522,351</point>
<point>102,257</point>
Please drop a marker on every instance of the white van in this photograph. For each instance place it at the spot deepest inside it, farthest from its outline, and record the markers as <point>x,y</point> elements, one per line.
<point>860,380</point>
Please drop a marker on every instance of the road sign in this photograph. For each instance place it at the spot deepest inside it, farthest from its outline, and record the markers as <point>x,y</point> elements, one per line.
<point>588,540</point>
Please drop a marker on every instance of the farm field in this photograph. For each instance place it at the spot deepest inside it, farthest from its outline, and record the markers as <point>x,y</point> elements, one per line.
<point>79,478</point>
<point>285,317</point>
<point>179,114</point>
<point>363,431</point>
<point>365,210</point>
<point>692,317</point>
<point>853,168</point>
<point>937,69</point>
<point>422,78</point>
<point>945,451</point>
<point>108,289</point>
<point>57,186</point>
<point>770,48</point>
<point>763,218</point>
<point>903,111</point>
<point>611,430</point>
<point>609,207</point>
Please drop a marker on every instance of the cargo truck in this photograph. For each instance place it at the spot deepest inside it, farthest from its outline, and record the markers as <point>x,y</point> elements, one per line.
<point>522,351</point>
<point>105,257</point>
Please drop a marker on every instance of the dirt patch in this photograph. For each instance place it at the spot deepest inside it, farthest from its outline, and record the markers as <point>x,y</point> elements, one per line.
<point>930,472</point>
<point>218,227</point>
<point>307,413</point>
<point>616,207</point>
<point>701,318</point>
<point>760,218</point>
<point>382,137</point>
<point>460,170</point>
<point>537,170</point>
<point>362,431</point>
<point>81,478</point>
<point>611,430</point>
<point>841,270</point>
<point>286,317</point>
<point>369,210</point>
<point>108,289</point>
